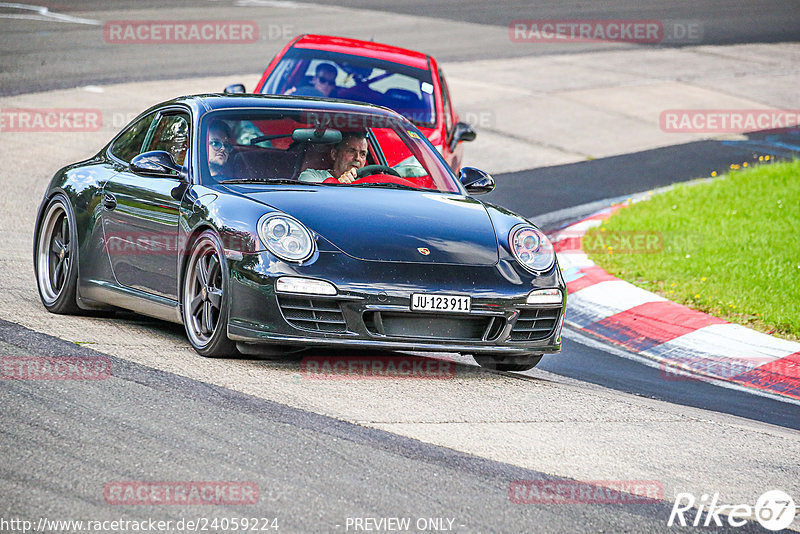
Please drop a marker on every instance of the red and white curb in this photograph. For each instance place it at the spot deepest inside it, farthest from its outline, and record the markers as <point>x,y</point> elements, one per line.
<point>686,344</point>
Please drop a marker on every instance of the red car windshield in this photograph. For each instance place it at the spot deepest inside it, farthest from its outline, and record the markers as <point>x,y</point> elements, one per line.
<point>406,90</point>
<point>310,146</point>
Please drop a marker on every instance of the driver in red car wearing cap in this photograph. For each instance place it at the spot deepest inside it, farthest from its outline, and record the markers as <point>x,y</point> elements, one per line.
<point>348,155</point>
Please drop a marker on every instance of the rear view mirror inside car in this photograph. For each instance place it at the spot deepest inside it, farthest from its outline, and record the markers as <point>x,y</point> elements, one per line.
<point>316,135</point>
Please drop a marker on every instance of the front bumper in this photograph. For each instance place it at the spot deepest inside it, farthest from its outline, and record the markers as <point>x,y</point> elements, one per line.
<point>371,309</point>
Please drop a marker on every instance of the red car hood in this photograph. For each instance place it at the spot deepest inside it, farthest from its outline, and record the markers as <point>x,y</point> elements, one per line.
<point>395,151</point>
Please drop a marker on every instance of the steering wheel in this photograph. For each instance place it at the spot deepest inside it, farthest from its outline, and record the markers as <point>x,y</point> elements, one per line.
<point>376,169</point>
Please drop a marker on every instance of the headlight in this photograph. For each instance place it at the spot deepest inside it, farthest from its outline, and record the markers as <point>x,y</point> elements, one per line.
<point>285,237</point>
<point>531,248</point>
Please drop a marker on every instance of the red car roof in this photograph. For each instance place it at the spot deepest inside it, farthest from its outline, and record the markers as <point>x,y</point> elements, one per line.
<point>364,49</point>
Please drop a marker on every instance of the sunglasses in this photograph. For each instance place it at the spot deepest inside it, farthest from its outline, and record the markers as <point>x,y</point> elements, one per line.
<point>329,81</point>
<point>216,145</point>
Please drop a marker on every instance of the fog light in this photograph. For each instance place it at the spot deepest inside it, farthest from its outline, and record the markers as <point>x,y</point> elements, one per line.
<point>306,286</point>
<point>544,296</point>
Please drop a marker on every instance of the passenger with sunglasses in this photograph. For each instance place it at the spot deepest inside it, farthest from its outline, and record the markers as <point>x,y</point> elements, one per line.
<point>219,149</point>
<point>323,83</point>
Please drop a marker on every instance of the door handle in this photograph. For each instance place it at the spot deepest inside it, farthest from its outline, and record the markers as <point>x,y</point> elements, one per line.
<point>109,201</point>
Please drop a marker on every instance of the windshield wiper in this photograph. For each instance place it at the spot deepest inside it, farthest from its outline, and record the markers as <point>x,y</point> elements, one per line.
<point>387,185</point>
<point>263,181</point>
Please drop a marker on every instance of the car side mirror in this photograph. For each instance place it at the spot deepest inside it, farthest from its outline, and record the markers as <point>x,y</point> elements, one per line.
<point>234,89</point>
<point>476,181</point>
<point>159,163</point>
<point>462,132</point>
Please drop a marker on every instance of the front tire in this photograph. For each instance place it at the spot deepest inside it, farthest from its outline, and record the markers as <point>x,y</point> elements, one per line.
<point>56,258</point>
<point>205,298</point>
<point>508,363</point>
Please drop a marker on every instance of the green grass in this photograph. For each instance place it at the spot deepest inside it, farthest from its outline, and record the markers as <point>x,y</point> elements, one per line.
<point>729,247</point>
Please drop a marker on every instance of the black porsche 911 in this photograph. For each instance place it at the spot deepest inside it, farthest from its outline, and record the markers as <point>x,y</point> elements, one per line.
<point>231,214</point>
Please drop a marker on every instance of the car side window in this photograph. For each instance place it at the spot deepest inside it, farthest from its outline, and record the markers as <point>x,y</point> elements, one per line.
<point>448,111</point>
<point>129,144</point>
<point>171,134</point>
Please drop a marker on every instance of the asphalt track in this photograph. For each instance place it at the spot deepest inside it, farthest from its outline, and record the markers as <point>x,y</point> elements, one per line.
<point>724,22</point>
<point>344,470</point>
<point>354,471</point>
<point>30,62</point>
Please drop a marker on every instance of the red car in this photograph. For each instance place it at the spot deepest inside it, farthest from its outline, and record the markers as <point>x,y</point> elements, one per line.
<point>406,81</point>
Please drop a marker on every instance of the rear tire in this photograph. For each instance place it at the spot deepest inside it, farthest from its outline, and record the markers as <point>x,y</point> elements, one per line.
<point>205,298</point>
<point>508,363</point>
<point>56,258</point>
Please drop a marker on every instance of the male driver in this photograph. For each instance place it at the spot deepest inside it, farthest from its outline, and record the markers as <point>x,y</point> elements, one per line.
<point>219,149</point>
<point>348,155</point>
<point>322,83</point>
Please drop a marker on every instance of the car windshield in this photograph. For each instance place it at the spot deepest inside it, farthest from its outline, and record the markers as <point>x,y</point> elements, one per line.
<point>311,146</point>
<point>407,90</point>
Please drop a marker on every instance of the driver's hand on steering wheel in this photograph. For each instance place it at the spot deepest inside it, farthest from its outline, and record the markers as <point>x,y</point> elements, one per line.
<point>349,176</point>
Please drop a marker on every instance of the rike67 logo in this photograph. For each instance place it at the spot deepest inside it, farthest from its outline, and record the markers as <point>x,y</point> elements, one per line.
<point>774,510</point>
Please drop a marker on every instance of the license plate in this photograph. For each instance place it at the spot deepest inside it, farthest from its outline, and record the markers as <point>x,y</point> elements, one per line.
<point>440,303</point>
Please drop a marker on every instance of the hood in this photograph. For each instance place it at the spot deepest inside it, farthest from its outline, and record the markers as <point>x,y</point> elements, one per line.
<point>395,151</point>
<point>392,225</point>
<point>433,135</point>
